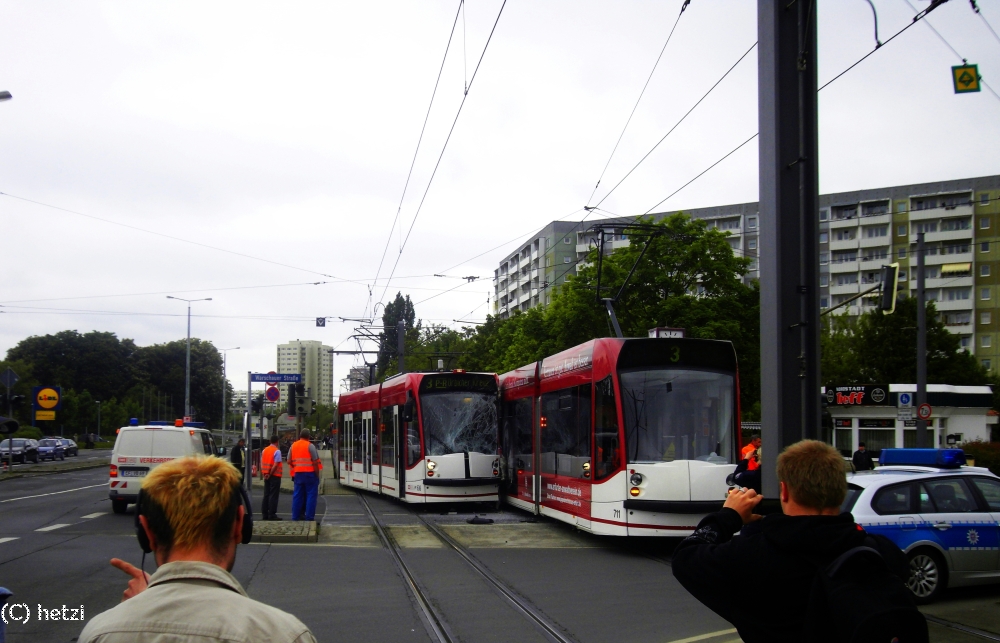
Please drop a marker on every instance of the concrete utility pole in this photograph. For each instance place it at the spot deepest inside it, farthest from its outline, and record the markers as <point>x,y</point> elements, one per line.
<point>223,419</point>
<point>187,367</point>
<point>921,344</point>
<point>789,228</point>
<point>401,344</point>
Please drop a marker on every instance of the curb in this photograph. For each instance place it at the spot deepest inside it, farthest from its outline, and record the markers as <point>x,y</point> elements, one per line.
<point>306,532</point>
<point>33,472</point>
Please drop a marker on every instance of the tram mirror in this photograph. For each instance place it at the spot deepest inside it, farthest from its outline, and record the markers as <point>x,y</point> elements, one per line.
<point>408,411</point>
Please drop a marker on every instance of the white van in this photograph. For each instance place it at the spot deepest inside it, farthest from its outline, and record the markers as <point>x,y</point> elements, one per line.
<point>139,449</point>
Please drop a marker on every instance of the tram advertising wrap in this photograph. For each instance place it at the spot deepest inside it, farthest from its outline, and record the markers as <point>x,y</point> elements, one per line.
<point>623,436</point>
<point>423,437</point>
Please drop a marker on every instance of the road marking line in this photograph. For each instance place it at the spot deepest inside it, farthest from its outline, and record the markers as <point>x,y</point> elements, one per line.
<point>702,637</point>
<point>54,493</point>
<point>8,539</point>
<point>51,527</point>
<point>95,515</point>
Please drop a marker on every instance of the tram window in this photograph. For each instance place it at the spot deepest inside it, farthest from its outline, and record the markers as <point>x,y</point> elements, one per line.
<point>566,431</point>
<point>412,441</point>
<point>459,422</point>
<point>387,437</point>
<point>678,414</point>
<point>358,439</point>
<point>517,432</point>
<point>605,428</point>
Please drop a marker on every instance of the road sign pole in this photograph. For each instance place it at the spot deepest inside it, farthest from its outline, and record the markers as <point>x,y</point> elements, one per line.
<point>247,480</point>
<point>922,442</point>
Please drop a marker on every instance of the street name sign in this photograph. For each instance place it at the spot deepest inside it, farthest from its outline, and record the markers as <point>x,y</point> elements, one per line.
<point>276,377</point>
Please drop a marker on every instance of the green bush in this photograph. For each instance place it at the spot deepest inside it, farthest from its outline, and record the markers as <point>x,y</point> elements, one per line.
<point>987,454</point>
<point>30,432</point>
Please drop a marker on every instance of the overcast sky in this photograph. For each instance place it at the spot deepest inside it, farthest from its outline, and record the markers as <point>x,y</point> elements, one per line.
<point>285,132</point>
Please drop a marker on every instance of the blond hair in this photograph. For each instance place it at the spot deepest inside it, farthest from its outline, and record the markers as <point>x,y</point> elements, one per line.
<point>813,471</point>
<point>191,502</point>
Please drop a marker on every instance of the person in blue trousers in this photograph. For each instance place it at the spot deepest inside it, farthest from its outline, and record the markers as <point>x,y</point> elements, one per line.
<point>303,460</point>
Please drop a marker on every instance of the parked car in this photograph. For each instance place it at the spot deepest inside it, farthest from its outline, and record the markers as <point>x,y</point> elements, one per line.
<point>51,449</point>
<point>69,446</point>
<point>945,516</point>
<point>19,450</point>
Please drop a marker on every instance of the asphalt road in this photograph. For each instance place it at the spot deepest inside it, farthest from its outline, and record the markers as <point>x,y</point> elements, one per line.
<point>57,533</point>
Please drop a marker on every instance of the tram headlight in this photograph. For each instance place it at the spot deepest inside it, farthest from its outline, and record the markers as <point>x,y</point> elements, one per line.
<point>431,465</point>
<point>636,480</point>
<point>634,491</point>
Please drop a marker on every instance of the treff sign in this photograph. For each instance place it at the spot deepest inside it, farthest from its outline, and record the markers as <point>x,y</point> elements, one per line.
<point>870,395</point>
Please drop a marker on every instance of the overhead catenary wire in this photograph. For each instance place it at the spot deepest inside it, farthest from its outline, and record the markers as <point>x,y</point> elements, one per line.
<point>986,22</point>
<point>164,235</point>
<point>444,147</point>
<point>420,139</point>
<point>953,50</point>
<point>670,35</point>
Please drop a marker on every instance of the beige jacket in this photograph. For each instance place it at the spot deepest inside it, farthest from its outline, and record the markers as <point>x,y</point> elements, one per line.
<point>194,602</point>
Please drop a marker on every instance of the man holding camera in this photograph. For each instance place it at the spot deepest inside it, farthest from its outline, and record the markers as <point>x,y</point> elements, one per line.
<point>191,515</point>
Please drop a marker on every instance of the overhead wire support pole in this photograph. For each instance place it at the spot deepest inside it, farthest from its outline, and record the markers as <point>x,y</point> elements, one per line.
<point>789,221</point>
<point>921,343</point>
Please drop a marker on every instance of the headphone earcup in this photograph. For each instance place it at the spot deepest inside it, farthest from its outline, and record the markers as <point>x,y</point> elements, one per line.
<point>140,533</point>
<point>247,517</point>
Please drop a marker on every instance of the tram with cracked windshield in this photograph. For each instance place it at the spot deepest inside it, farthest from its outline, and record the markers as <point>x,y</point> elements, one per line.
<point>625,437</point>
<point>422,438</point>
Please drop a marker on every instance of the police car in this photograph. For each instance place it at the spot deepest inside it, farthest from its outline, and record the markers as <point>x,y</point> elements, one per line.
<point>945,516</point>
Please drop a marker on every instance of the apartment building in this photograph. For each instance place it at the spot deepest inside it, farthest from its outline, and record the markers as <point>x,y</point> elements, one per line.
<point>859,232</point>
<point>314,362</point>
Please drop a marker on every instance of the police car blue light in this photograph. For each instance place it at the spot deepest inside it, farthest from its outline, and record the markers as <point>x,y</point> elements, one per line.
<point>941,458</point>
<point>943,515</point>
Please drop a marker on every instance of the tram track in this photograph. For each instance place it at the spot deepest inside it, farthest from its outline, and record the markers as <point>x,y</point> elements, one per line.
<point>435,621</point>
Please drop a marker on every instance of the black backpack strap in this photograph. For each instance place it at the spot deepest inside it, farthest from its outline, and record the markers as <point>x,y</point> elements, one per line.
<point>867,552</point>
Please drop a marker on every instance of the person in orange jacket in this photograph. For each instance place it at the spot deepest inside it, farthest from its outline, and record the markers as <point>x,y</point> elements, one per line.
<point>304,464</point>
<point>270,473</point>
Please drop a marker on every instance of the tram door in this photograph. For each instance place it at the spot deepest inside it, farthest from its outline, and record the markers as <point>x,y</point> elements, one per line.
<point>369,445</point>
<point>345,447</point>
<point>357,466</point>
<point>388,421</point>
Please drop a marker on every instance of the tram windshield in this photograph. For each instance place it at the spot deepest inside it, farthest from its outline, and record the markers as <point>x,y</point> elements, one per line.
<point>459,422</point>
<point>678,414</point>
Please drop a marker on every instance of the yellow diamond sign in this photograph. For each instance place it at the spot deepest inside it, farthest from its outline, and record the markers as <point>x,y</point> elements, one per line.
<point>965,78</point>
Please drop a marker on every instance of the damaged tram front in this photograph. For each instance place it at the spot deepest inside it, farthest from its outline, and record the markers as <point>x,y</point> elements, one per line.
<point>422,437</point>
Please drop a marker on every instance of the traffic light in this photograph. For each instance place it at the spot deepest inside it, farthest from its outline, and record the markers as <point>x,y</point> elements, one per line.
<point>301,401</point>
<point>890,277</point>
<point>290,400</point>
<point>257,404</point>
<point>16,400</point>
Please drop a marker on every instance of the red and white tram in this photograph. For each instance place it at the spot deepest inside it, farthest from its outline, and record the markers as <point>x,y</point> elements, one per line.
<point>422,437</point>
<point>623,436</point>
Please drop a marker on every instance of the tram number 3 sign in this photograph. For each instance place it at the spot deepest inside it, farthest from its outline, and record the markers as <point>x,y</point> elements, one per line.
<point>924,411</point>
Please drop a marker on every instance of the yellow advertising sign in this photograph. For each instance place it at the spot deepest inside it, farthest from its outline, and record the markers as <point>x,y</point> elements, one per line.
<point>45,415</point>
<point>47,398</point>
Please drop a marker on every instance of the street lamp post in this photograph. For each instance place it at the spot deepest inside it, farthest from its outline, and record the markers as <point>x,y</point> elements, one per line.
<point>187,367</point>
<point>223,351</point>
<point>98,402</point>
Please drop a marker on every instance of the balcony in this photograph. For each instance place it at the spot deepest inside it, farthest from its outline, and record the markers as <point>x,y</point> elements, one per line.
<point>847,289</point>
<point>958,304</point>
<point>876,219</point>
<point>875,242</point>
<point>940,213</point>
<point>846,244</point>
<point>945,235</point>
<point>938,259</point>
<point>876,263</point>
<point>947,282</point>
<point>843,266</point>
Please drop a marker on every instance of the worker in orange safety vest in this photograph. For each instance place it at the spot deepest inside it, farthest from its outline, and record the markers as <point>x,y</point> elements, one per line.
<point>270,473</point>
<point>304,463</point>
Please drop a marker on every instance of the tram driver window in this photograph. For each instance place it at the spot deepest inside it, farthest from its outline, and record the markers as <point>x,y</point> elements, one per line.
<point>678,414</point>
<point>359,439</point>
<point>387,439</point>
<point>606,446</point>
<point>566,431</point>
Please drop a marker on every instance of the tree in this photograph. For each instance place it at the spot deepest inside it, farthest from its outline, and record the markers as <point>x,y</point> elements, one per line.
<point>879,348</point>
<point>163,366</point>
<point>401,308</point>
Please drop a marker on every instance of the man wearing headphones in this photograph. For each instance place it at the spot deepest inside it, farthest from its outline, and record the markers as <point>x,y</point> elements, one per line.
<point>191,514</point>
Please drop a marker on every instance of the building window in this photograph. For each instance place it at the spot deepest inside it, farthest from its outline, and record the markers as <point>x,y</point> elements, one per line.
<point>927,226</point>
<point>876,231</point>
<point>949,225</point>
<point>902,275</point>
<point>984,199</point>
<point>565,259</point>
<point>965,341</point>
<point>985,318</point>
<point>824,281</point>
<point>984,223</point>
<point>566,239</point>
<point>984,270</point>
<point>844,235</point>
<point>847,279</point>
<point>986,341</point>
<point>984,246</point>
<point>824,302</point>
<point>824,214</point>
<point>901,230</point>
<point>752,223</point>
<point>984,294</point>
<point>986,364</point>
<point>902,253</point>
<point>823,237</point>
<point>752,244</point>
<point>957,294</point>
